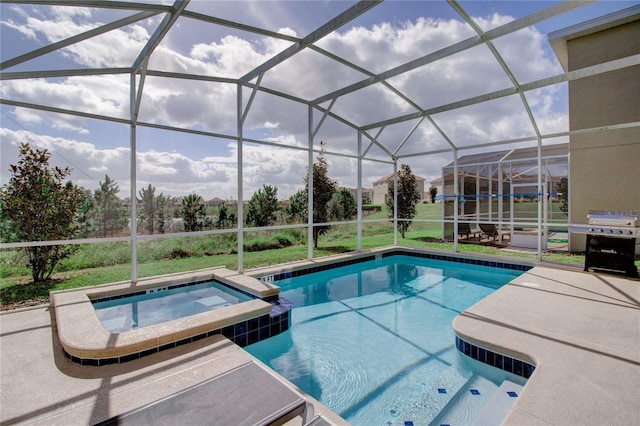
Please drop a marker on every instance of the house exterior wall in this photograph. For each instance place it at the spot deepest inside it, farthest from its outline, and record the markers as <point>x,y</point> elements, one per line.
<point>381,187</point>
<point>380,192</point>
<point>604,166</point>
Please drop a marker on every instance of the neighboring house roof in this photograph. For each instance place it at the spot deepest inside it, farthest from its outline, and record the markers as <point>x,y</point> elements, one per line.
<point>521,154</point>
<point>389,177</point>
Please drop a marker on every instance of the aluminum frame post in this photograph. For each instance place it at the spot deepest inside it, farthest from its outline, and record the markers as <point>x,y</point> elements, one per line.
<point>133,178</point>
<point>395,202</point>
<point>359,193</point>
<point>240,213</point>
<point>456,201</point>
<point>310,185</point>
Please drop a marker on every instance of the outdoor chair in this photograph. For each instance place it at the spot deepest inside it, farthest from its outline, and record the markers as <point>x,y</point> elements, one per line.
<point>464,230</point>
<point>489,230</point>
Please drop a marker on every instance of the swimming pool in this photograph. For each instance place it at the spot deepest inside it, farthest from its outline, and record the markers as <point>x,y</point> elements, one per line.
<point>162,304</point>
<point>373,341</point>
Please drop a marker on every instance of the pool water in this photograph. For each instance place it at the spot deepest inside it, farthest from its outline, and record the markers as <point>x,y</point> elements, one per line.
<point>160,305</point>
<point>374,342</point>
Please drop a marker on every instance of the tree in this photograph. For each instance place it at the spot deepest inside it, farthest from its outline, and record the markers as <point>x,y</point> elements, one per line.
<point>408,197</point>
<point>110,214</point>
<point>342,205</point>
<point>226,217</point>
<point>42,207</point>
<point>193,213</point>
<point>8,230</point>
<point>297,209</point>
<point>161,212</point>
<point>263,206</point>
<point>563,194</point>
<point>84,218</point>
<point>323,189</point>
<point>433,192</point>
<point>147,208</point>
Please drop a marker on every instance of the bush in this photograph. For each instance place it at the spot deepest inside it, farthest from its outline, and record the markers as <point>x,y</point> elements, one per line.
<point>178,253</point>
<point>371,208</point>
<point>285,240</point>
<point>269,242</point>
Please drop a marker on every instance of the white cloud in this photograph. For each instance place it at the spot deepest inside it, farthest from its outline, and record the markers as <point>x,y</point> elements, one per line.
<point>211,106</point>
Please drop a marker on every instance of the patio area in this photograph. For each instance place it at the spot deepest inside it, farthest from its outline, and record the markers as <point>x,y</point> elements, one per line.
<point>41,386</point>
<point>581,330</point>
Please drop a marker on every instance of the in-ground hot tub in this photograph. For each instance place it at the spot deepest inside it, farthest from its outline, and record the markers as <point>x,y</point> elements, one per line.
<point>86,341</point>
<point>143,308</point>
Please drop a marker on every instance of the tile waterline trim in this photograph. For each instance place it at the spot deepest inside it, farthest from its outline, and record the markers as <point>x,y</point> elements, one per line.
<point>495,359</point>
<point>243,333</point>
<point>340,263</point>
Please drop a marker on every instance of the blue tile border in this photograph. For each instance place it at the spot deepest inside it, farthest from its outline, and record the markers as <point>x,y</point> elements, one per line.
<point>449,258</point>
<point>242,334</point>
<point>503,362</point>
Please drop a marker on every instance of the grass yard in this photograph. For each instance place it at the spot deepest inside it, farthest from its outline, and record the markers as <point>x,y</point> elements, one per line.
<point>102,263</point>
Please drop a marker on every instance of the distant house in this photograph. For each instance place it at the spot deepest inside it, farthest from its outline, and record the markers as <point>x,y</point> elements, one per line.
<point>381,188</point>
<point>215,202</point>
<point>367,194</point>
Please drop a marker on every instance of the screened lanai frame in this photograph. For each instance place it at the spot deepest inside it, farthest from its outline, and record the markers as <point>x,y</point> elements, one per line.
<point>500,178</point>
<point>369,134</point>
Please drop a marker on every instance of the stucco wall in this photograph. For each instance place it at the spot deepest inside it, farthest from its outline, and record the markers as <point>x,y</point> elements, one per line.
<point>604,166</point>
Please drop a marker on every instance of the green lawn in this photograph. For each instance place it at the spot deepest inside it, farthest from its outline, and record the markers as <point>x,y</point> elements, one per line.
<point>102,263</point>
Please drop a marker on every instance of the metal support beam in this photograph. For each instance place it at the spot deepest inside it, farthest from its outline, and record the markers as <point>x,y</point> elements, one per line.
<point>138,100</point>
<point>406,138</point>
<point>616,64</point>
<point>161,31</point>
<point>324,116</point>
<point>133,223</point>
<point>500,60</point>
<point>251,98</point>
<point>495,33</point>
<point>359,193</point>
<point>395,202</point>
<point>541,196</point>
<point>76,39</point>
<point>240,212</point>
<point>337,22</point>
<point>456,201</point>
<point>310,184</point>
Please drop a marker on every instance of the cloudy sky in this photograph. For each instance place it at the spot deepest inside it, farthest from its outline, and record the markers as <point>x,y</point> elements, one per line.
<point>178,163</point>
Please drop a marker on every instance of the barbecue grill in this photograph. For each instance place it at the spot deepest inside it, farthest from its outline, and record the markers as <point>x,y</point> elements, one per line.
<point>611,241</point>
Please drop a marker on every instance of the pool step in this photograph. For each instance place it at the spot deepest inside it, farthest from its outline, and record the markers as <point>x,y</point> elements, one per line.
<point>443,390</point>
<point>498,407</point>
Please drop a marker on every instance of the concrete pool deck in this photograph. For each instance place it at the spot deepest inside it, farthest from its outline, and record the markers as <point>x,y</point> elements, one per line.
<point>40,386</point>
<point>582,330</point>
